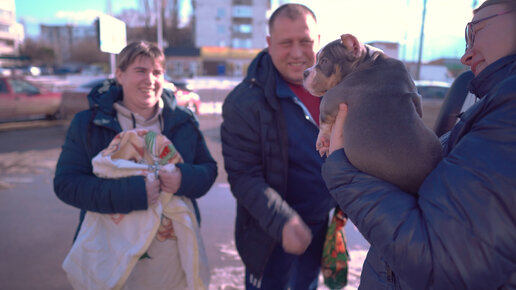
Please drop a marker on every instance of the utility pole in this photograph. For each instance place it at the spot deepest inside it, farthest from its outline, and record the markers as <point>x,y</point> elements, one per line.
<point>159,23</point>
<point>112,57</point>
<point>421,37</point>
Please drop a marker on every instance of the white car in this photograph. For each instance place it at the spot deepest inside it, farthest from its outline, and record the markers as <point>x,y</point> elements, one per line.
<point>432,97</point>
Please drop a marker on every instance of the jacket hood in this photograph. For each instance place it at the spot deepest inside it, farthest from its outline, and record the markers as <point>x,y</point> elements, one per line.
<point>261,72</point>
<point>105,95</point>
<point>487,79</point>
<point>261,66</point>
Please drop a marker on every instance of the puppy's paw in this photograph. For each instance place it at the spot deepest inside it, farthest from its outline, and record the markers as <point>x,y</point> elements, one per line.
<point>322,145</point>
<point>324,151</point>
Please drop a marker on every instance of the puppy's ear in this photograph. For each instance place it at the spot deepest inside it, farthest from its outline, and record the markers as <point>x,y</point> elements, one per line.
<point>351,43</point>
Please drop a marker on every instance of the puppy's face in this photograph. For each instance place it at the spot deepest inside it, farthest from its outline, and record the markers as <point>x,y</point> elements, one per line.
<point>334,61</point>
<point>326,73</point>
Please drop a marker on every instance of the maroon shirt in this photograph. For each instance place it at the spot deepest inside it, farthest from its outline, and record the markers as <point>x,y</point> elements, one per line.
<point>311,102</point>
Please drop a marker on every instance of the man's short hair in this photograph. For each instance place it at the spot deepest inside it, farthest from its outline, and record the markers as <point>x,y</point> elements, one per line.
<point>511,4</point>
<point>292,11</point>
<point>136,49</point>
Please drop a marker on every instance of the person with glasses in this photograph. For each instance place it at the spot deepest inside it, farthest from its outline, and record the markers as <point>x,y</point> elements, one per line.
<point>459,232</point>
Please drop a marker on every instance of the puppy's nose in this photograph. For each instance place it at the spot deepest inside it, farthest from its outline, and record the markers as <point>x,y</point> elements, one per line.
<point>305,74</point>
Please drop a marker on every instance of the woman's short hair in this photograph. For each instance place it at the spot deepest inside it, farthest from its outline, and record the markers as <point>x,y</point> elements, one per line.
<point>136,49</point>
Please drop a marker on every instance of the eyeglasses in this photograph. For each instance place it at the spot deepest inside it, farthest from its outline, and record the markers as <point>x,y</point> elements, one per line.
<point>470,34</point>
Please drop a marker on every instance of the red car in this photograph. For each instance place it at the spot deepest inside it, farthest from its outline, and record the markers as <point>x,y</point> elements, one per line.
<point>23,100</point>
<point>75,100</point>
<point>185,96</point>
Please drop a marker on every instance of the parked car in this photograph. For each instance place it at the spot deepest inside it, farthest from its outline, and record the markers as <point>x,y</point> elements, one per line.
<point>185,96</point>
<point>21,99</point>
<point>432,97</point>
<point>75,100</point>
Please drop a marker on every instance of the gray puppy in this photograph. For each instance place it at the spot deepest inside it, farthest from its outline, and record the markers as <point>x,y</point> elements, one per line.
<point>384,135</point>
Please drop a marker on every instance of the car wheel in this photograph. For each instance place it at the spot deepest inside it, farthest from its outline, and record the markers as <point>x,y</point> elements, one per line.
<point>56,116</point>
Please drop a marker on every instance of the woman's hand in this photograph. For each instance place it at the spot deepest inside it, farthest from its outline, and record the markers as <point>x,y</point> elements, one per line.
<point>152,188</point>
<point>170,179</point>
<point>337,131</point>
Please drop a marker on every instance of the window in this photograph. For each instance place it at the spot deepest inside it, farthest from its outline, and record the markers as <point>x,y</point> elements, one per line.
<point>3,87</point>
<point>221,13</point>
<point>5,13</point>
<point>242,11</point>
<point>243,28</point>
<point>221,29</point>
<point>23,87</point>
<point>241,43</point>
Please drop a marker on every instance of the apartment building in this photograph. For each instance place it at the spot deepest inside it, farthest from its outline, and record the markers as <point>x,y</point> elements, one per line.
<point>230,33</point>
<point>11,34</point>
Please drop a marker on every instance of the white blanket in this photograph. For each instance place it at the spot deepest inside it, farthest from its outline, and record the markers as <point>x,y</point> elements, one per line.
<point>108,246</point>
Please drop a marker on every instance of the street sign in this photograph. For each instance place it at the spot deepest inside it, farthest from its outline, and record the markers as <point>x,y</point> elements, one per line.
<point>112,34</point>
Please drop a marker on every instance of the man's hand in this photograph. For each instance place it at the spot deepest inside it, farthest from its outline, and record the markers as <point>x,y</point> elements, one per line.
<point>170,179</point>
<point>152,188</point>
<point>337,131</point>
<point>296,236</point>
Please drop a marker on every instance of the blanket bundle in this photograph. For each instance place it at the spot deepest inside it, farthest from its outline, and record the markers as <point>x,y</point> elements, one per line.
<point>108,246</point>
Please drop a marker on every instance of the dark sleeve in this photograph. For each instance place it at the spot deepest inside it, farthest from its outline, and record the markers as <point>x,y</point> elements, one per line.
<point>460,232</point>
<point>76,185</point>
<point>452,104</point>
<point>197,176</point>
<point>243,160</point>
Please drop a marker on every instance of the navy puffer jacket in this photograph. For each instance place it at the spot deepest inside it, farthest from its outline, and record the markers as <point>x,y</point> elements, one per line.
<point>460,233</point>
<point>92,130</point>
<point>254,146</point>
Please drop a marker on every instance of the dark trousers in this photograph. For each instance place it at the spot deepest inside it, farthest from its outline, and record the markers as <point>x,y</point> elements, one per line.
<point>286,271</point>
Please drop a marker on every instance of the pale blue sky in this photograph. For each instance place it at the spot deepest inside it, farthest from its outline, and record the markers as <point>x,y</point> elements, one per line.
<point>369,20</point>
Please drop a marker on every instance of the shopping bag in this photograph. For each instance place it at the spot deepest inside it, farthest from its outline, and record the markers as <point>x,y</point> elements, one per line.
<point>335,255</point>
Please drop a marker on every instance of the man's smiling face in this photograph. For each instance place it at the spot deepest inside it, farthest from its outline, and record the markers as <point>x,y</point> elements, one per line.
<point>494,37</point>
<point>292,45</point>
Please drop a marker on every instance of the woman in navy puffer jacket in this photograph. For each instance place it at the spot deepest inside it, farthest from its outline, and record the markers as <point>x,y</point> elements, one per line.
<point>460,232</point>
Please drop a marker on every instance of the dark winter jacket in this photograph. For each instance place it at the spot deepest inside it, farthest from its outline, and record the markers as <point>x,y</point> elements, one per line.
<point>255,149</point>
<point>460,233</point>
<point>92,130</point>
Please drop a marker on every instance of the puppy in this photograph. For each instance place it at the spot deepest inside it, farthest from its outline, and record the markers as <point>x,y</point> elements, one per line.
<point>384,135</point>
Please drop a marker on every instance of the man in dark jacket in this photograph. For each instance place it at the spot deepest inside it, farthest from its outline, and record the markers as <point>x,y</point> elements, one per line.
<point>136,100</point>
<point>268,143</point>
<point>460,232</point>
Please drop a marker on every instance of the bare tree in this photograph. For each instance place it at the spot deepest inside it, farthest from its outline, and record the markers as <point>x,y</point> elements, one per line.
<point>147,15</point>
<point>88,52</point>
<point>38,53</point>
<point>193,19</point>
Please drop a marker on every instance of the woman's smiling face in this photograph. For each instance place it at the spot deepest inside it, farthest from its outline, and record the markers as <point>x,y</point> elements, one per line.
<point>142,83</point>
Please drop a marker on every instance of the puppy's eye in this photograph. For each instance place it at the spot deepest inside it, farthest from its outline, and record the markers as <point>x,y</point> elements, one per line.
<point>323,61</point>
